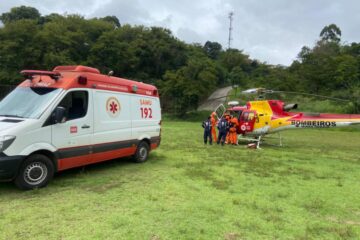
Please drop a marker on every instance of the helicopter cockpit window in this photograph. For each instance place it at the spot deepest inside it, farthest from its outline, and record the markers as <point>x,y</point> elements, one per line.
<point>244,116</point>
<point>251,117</point>
<point>248,117</point>
<point>236,114</point>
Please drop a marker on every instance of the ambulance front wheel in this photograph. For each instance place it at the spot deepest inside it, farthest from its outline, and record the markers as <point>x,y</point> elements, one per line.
<point>35,172</point>
<point>142,152</point>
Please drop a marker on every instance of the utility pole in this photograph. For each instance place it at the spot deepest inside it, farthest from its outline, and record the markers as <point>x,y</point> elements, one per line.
<point>231,14</point>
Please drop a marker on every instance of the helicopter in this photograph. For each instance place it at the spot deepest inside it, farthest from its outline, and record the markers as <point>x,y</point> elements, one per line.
<point>261,117</point>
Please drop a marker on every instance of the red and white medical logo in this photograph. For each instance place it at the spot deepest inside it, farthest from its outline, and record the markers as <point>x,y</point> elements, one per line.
<point>73,129</point>
<point>113,107</point>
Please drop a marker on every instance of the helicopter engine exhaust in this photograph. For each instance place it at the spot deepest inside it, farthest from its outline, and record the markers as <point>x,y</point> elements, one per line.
<point>290,106</point>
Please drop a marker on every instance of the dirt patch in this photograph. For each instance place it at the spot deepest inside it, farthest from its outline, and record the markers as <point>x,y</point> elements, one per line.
<point>104,187</point>
<point>347,222</point>
<point>155,237</point>
<point>232,236</point>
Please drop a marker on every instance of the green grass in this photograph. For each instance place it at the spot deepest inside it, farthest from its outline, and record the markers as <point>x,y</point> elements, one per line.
<point>308,189</point>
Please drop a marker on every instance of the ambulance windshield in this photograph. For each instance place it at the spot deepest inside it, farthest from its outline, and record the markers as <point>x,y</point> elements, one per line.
<point>26,102</point>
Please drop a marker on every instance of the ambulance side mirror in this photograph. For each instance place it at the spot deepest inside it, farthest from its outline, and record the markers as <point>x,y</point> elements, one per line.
<point>59,115</point>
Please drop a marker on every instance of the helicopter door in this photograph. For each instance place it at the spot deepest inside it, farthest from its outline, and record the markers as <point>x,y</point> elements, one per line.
<point>220,110</point>
<point>247,121</point>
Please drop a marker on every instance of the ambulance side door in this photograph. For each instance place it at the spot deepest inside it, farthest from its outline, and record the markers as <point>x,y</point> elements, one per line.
<point>73,137</point>
<point>112,118</point>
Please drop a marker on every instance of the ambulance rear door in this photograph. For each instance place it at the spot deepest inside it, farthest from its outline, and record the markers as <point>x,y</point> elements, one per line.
<point>146,116</point>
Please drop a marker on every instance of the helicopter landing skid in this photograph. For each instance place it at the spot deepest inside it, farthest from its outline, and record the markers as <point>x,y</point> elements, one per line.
<point>256,141</point>
<point>261,140</point>
<point>278,138</point>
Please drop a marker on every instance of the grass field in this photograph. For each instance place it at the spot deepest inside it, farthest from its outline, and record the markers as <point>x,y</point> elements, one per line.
<point>308,189</point>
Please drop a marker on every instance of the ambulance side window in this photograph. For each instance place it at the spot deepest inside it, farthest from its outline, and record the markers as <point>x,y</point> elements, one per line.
<point>75,104</point>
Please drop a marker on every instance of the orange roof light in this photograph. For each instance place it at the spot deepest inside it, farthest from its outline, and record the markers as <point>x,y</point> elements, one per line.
<point>30,73</point>
<point>78,68</point>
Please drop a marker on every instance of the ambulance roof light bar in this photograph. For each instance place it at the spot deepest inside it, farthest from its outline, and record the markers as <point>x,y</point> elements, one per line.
<point>30,73</point>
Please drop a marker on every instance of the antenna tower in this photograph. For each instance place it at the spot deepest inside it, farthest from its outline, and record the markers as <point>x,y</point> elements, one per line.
<point>231,14</point>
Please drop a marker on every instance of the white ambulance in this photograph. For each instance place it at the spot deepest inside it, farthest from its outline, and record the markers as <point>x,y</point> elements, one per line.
<point>74,116</point>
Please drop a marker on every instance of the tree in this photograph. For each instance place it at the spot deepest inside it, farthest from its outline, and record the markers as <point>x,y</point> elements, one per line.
<point>68,40</point>
<point>233,58</point>
<point>158,51</point>
<point>184,73</point>
<point>51,17</point>
<point>347,74</point>
<point>113,20</point>
<point>18,49</point>
<point>238,77</point>
<point>213,49</point>
<point>110,54</point>
<point>18,13</point>
<point>189,84</point>
<point>304,53</point>
<point>331,33</point>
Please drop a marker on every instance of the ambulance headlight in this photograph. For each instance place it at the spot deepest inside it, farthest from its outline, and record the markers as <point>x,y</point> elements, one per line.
<point>6,141</point>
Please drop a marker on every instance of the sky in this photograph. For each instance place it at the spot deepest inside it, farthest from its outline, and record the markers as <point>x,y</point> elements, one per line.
<point>270,31</point>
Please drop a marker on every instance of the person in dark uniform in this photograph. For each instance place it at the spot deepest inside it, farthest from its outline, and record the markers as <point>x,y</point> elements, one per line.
<point>207,130</point>
<point>223,126</point>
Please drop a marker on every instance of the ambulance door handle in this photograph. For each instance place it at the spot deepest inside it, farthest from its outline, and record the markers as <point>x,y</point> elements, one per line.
<point>85,126</point>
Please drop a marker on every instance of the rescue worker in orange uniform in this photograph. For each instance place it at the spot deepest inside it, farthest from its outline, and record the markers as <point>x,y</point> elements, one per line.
<point>213,125</point>
<point>228,118</point>
<point>234,123</point>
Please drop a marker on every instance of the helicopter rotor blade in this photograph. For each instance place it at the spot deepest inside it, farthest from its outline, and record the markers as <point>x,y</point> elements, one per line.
<point>225,96</point>
<point>268,91</point>
<point>256,90</point>
<point>250,91</point>
<point>312,95</point>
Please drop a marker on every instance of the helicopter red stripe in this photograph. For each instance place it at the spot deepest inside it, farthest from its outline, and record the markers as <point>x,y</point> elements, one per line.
<point>325,116</point>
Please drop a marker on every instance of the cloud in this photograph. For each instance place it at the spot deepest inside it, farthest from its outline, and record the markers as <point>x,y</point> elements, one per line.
<point>271,31</point>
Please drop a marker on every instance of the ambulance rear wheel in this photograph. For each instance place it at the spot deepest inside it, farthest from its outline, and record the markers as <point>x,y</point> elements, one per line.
<point>35,172</point>
<point>142,152</point>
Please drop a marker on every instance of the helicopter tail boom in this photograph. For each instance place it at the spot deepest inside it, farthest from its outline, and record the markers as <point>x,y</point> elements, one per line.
<point>324,120</point>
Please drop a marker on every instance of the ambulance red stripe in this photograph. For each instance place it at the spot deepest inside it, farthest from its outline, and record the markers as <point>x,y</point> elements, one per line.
<point>71,162</point>
<point>84,155</point>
